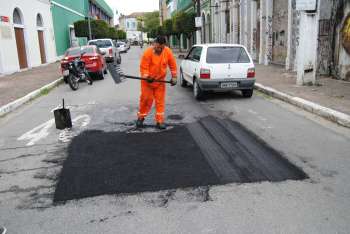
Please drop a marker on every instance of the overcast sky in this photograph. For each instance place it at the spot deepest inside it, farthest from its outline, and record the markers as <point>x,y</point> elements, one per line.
<point>126,7</point>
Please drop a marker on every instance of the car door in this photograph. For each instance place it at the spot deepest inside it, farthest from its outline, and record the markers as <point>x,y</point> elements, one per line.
<point>185,64</point>
<point>194,63</point>
<point>191,63</point>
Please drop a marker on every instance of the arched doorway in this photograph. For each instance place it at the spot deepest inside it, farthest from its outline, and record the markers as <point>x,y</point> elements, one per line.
<point>20,41</point>
<point>40,28</point>
<point>203,29</point>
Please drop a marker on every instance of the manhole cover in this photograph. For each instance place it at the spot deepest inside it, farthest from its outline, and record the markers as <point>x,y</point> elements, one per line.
<point>175,117</point>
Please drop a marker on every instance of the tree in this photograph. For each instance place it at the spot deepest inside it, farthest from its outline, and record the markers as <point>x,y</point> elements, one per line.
<point>99,29</point>
<point>121,35</point>
<point>168,28</point>
<point>149,23</point>
<point>183,23</point>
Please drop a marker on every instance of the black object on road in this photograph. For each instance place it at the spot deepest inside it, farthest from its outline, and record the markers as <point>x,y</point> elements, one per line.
<point>62,117</point>
<point>2,230</point>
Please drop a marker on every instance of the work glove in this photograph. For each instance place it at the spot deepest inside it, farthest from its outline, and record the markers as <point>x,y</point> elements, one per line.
<point>150,80</point>
<point>173,81</point>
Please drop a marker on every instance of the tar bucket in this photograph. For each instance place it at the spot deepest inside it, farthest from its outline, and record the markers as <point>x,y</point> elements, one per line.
<point>62,117</point>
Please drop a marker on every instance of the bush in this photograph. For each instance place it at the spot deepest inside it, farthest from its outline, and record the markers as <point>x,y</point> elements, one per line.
<point>99,29</point>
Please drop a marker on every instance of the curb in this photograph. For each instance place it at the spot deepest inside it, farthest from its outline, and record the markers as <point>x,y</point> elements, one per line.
<point>32,95</point>
<point>327,113</point>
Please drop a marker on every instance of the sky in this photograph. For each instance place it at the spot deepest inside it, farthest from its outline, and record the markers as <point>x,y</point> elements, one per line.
<point>126,7</point>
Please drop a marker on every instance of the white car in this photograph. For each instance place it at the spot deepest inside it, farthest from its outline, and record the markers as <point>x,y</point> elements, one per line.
<point>218,68</point>
<point>107,46</point>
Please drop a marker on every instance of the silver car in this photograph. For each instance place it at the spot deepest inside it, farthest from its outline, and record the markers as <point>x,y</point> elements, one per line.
<point>106,45</point>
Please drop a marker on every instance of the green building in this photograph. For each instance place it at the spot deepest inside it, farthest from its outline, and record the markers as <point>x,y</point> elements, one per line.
<point>66,12</point>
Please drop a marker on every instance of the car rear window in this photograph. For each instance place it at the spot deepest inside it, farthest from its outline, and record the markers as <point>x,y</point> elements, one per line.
<point>227,54</point>
<point>78,51</point>
<point>101,43</point>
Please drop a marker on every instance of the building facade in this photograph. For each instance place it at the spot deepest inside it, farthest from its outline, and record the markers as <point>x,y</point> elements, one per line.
<point>66,12</point>
<point>128,23</point>
<point>305,36</point>
<point>26,35</point>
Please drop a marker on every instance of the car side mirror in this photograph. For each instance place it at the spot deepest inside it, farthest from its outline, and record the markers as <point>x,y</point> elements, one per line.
<point>103,52</point>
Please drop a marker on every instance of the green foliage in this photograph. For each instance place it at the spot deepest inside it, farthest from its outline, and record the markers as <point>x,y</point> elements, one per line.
<point>121,34</point>
<point>99,29</point>
<point>184,23</point>
<point>149,23</point>
<point>168,27</point>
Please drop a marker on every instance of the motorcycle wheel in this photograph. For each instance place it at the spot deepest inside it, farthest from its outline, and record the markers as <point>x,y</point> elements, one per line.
<point>73,82</point>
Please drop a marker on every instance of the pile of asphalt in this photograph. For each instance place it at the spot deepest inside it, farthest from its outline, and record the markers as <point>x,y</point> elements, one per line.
<point>210,151</point>
<point>117,162</point>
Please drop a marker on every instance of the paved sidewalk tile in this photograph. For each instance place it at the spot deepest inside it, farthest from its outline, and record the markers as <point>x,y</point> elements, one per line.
<point>19,84</point>
<point>331,93</point>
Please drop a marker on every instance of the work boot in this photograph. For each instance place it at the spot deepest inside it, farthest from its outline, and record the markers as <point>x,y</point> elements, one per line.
<point>139,123</point>
<point>161,126</point>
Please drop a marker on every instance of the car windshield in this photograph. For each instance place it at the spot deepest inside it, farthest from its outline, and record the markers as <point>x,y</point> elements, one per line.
<point>78,51</point>
<point>101,43</point>
<point>227,55</point>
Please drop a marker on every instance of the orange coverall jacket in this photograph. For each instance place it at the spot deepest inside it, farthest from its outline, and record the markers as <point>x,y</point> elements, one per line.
<point>155,66</point>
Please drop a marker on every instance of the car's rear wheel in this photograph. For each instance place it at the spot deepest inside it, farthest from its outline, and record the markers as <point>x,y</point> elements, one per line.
<point>247,93</point>
<point>197,92</point>
<point>183,82</point>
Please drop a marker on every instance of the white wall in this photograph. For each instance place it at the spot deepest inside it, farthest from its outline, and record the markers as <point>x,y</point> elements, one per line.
<point>8,49</point>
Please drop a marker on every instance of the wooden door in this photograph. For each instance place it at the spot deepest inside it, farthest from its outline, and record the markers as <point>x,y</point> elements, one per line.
<point>21,48</point>
<point>42,46</point>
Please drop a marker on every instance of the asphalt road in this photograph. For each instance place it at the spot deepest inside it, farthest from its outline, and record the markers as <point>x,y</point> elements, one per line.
<point>32,153</point>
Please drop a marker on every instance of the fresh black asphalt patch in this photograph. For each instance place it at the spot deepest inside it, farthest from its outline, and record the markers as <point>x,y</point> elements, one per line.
<point>208,152</point>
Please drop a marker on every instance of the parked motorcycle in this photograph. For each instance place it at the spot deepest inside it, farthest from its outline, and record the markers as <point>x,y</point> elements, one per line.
<point>75,71</point>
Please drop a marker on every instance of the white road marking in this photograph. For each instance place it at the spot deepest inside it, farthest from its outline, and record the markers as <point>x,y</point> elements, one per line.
<point>65,135</point>
<point>37,133</point>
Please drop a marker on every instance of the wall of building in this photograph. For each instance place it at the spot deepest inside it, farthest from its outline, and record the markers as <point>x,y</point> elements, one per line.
<point>8,50</point>
<point>343,66</point>
<point>65,13</point>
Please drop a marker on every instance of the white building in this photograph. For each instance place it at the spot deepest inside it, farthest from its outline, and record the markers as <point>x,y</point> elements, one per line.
<point>129,24</point>
<point>26,35</point>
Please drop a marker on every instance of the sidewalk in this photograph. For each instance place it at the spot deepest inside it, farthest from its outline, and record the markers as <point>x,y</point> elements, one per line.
<point>19,84</point>
<point>334,94</point>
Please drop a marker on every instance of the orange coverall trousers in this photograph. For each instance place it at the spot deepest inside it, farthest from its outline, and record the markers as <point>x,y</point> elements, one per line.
<point>155,66</point>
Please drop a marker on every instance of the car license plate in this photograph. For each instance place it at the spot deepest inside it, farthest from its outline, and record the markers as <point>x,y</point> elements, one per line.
<point>65,72</point>
<point>229,85</point>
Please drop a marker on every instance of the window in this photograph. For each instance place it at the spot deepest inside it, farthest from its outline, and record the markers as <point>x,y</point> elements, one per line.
<point>195,53</point>
<point>101,43</point>
<point>78,51</point>
<point>127,25</point>
<point>227,55</point>
<point>17,19</point>
<point>39,21</point>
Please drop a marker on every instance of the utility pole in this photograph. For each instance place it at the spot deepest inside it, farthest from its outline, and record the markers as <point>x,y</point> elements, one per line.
<point>89,27</point>
<point>198,31</point>
<point>89,24</point>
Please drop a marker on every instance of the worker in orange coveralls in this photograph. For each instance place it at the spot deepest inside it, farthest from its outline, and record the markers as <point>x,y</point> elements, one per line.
<point>154,64</point>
